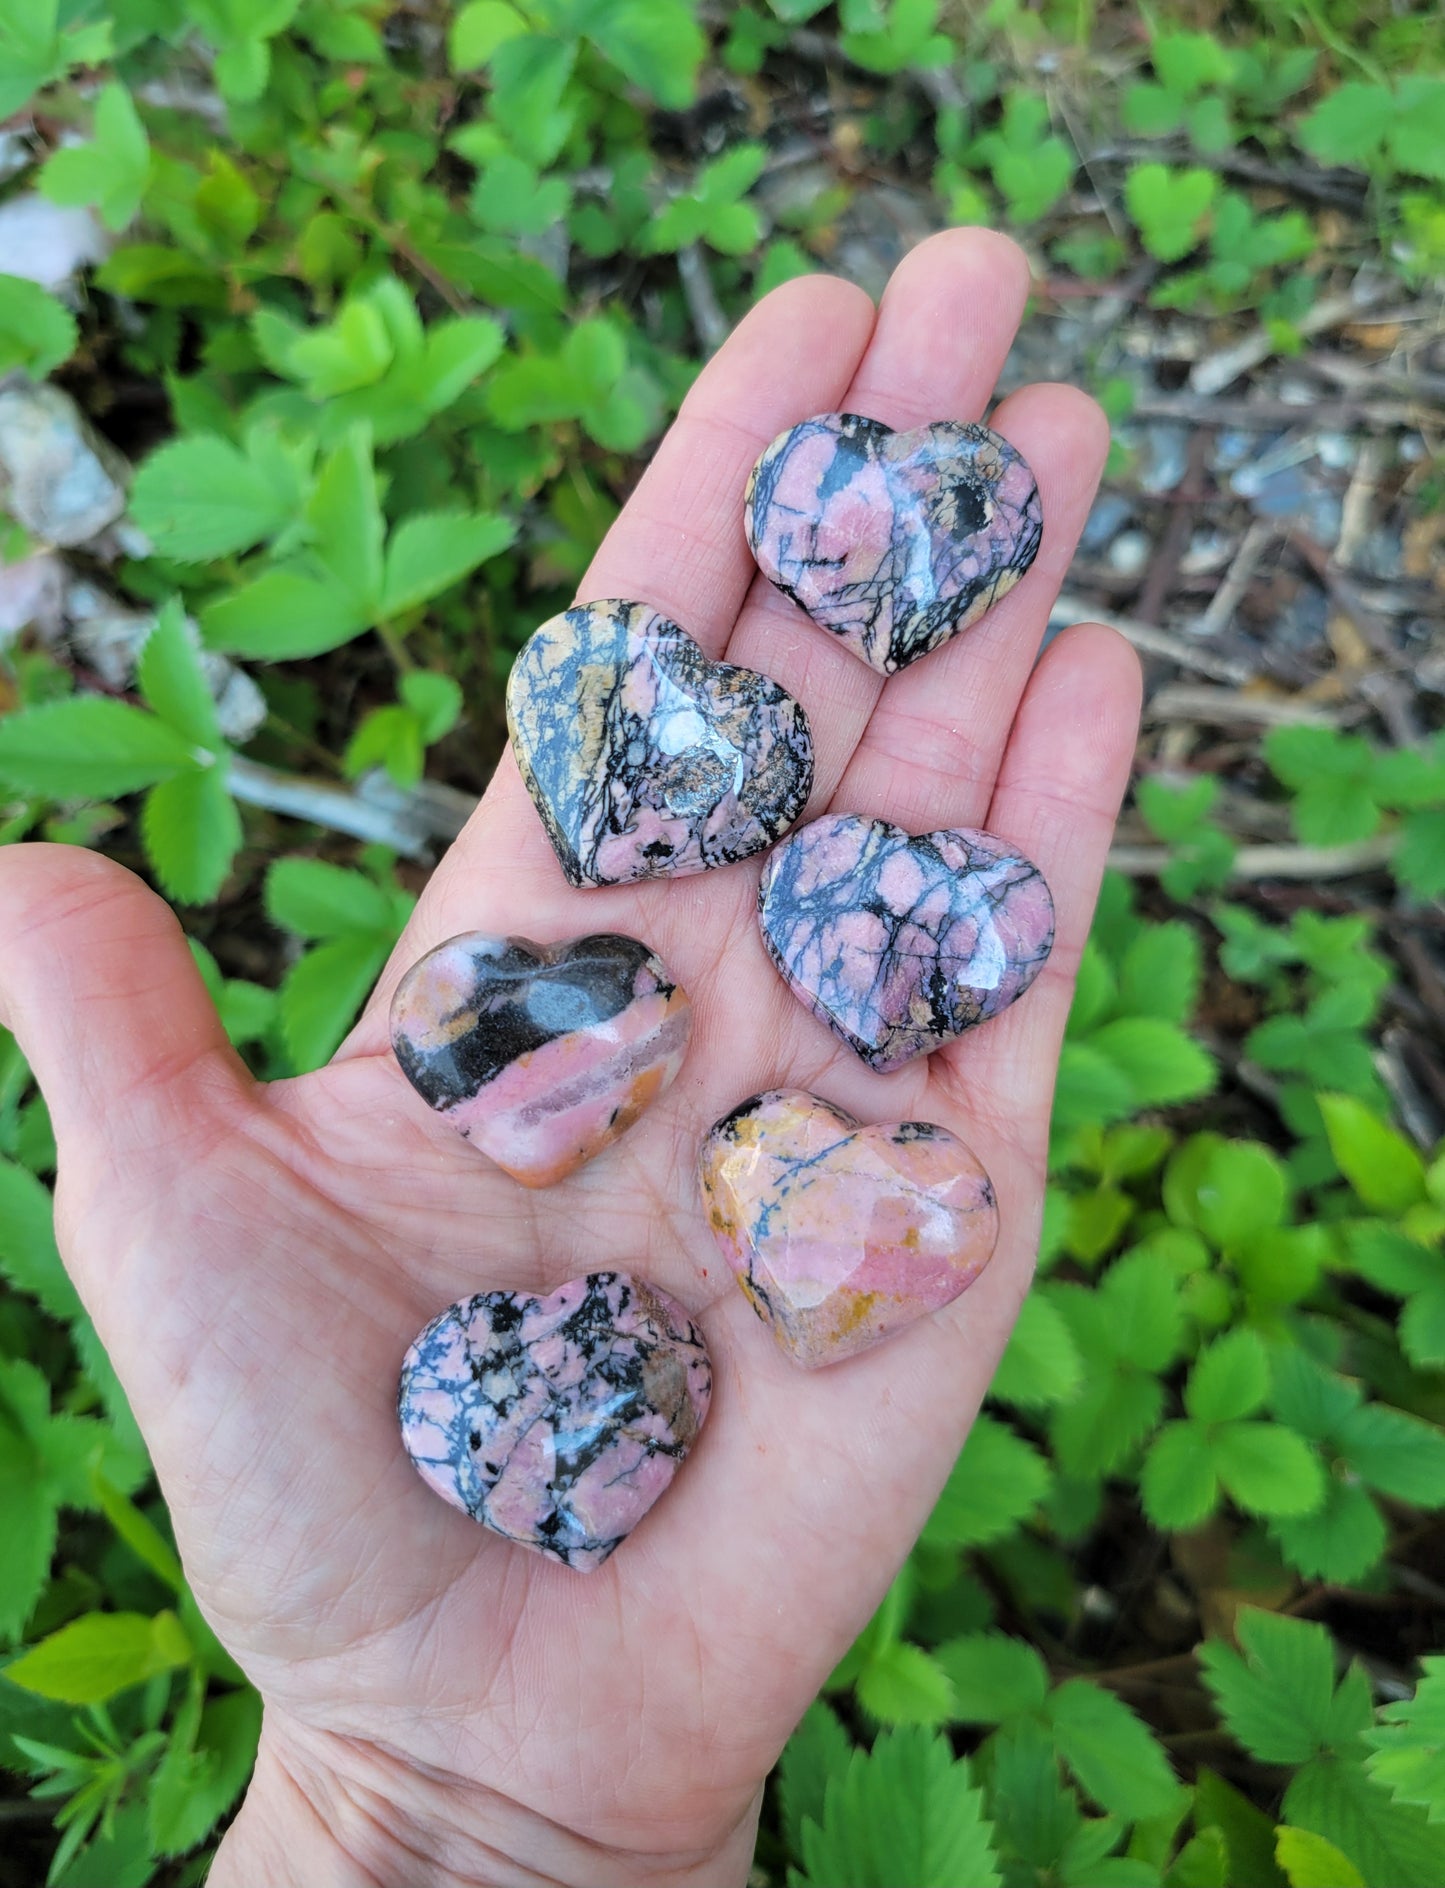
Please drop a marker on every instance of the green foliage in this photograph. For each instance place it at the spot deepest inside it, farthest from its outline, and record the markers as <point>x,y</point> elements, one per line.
<point>413,313</point>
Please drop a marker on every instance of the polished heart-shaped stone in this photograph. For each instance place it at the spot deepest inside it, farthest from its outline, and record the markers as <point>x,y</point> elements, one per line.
<point>540,1055</point>
<point>558,1421</point>
<point>841,1235</point>
<point>645,758</point>
<point>899,944</point>
<point>893,541</point>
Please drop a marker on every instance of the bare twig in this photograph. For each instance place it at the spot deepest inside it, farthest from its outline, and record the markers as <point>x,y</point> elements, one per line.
<point>377,810</point>
<point>1227,707</point>
<point>1219,613</point>
<point>702,303</point>
<point>1217,371</point>
<point>1153,641</point>
<point>1250,862</point>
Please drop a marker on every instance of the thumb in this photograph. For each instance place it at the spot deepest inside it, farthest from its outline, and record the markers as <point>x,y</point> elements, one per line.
<point>102,993</point>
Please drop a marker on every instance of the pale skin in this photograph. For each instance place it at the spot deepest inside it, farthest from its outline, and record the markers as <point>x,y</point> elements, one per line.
<point>442,1707</point>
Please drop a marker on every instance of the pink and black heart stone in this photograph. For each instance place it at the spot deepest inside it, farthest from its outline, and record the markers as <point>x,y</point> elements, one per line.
<point>540,1055</point>
<point>556,1422</point>
<point>644,758</point>
<point>901,943</point>
<point>894,542</point>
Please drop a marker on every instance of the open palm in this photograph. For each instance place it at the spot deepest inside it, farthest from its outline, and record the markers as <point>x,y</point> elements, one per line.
<point>440,1705</point>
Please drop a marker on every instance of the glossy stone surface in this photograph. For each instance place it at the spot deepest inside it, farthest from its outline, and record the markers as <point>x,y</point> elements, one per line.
<point>643,757</point>
<point>557,1422</point>
<point>893,541</point>
<point>841,1235</point>
<point>540,1055</point>
<point>900,944</point>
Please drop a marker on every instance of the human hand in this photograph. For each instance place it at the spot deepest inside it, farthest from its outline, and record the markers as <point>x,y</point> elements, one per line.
<point>439,1705</point>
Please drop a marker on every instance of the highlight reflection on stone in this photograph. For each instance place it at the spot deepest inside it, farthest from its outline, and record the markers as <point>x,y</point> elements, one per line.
<point>643,757</point>
<point>841,1235</point>
<point>557,1422</point>
<point>892,541</point>
<point>899,944</point>
<point>540,1055</point>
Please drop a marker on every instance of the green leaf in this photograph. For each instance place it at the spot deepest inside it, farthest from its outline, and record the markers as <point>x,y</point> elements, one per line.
<point>997,1481</point>
<point>36,332</point>
<point>198,499</point>
<point>112,171</point>
<point>1388,1842</point>
<point>529,77</point>
<point>1267,1469</point>
<point>903,1815</point>
<point>144,1540</point>
<point>1169,207</point>
<point>284,614</point>
<point>1248,1833</point>
<point>1041,1364</point>
<point>1340,1542</point>
<point>1349,125</point>
<point>1408,1743</point>
<point>1420,854</point>
<point>1111,1752</point>
<point>345,518</point>
<point>1279,1700</point>
<point>1380,1164</point>
<point>1159,975</point>
<point>193,1788</point>
<point>1112,1414</point>
<point>29,1257</point>
<point>478,30</point>
<point>173,682</point>
<point>1231,1190</point>
<point>322,993</point>
<point>1229,1379</point>
<point>900,1683</point>
<point>318,900</point>
<point>1396,1454</point>
<point>89,748</point>
<point>192,833</point>
<point>1178,1484</point>
<point>1139,1301</point>
<point>658,44</point>
<point>435,700</point>
<point>99,1655</point>
<point>1308,1861</point>
<point>429,553</point>
<point>1162,1064</point>
<point>817,1750</point>
<point>27,1526</point>
<point>994,1678</point>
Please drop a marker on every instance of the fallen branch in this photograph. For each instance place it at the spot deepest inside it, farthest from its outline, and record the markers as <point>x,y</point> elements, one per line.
<point>407,820</point>
<point>1251,862</point>
<point>1152,641</point>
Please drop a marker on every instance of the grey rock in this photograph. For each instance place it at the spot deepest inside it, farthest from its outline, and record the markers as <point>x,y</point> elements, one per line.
<point>59,479</point>
<point>1110,514</point>
<point>32,592</point>
<point>1129,552</point>
<point>47,242</point>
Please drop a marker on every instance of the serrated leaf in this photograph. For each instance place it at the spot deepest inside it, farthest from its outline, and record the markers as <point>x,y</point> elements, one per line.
<point>99,1655</point>
<point>900,1683</point>
<point>172,682</point>
<point>997,1481</point>
<point>1420,854</point>
<point>29,1257</point>
<point>1379,1163</point>
<point>28,1527</point>
<point>318,900</point>
<point>1160,1062</point>
<point>1397,1454</point>
<point>1279,1699</point>
<point>994,1678</point>
<point>1308,1861</point>
<point>818,1749</point>
<point>903,1815</point>
<point>1111,1752</point>
<point>478,30</point>
<point>1041,1364</point>
<point>322,993</point>
<point>192,1789</point>
<point>1348,126</point>
<point>1409,1743</point>
<point>109,172</point>
<point>202,498</point>
<point>89,748</point>
<point>429,553</point>
<point>1159,975</point>
<point>284,614</point>
<point>1107,1420</point>
<point>1140,1302</point>
<point>1387,1841</point>
<point>36,332</point>
<point>1340,1542</point>
<point>1229,1379</point>
<point>344,515</point>
<point>1267,1469</point>
<point>192,832</point>
<point>1178,1484</point>
<point>1231,1190</point>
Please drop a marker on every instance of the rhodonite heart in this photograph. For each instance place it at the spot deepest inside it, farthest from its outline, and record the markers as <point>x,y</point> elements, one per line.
<point>893,541</point>
<point>540,1055</point>
<point>643,757</point>
<point>841,1235</point>
<point>900,944</point>
<point>556,1422</point>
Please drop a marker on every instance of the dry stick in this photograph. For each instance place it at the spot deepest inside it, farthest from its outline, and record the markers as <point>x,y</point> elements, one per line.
<point>1227,707</point>
<point>387,815</point>
<point>1219,612</point>
<point>1266,412</point>
<point>702,302</point>
<point>1250,862</point>
<point>1152,641</point>
<point>1217,371</point>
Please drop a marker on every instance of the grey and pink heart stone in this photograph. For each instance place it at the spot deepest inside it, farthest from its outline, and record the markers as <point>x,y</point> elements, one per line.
<point>894,542</point>
<point>556,1421</point>
<point>901,943</point>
